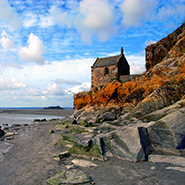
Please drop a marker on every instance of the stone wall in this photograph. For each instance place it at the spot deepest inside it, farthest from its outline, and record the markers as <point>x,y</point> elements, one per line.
<point>99,78</point>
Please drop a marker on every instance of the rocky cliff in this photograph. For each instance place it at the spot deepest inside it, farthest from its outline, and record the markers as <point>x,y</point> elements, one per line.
<point>163,83</point>
<point>155,53</point>
<point>141,116</point>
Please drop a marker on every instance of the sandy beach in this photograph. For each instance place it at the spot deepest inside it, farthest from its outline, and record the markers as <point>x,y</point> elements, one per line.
<point>27,159</point>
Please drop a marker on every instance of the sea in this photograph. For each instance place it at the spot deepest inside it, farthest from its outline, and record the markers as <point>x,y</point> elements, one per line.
<point>13,118</point>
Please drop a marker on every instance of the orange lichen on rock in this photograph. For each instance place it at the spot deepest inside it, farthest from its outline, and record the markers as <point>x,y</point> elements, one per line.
<point>81,99</point>
<point>162,84</point>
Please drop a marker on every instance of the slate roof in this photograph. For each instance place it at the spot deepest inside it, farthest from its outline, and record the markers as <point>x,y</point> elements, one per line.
<point>108,61</point>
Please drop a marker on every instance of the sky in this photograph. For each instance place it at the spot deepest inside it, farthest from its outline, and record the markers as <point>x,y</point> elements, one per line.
<point>47,47</point>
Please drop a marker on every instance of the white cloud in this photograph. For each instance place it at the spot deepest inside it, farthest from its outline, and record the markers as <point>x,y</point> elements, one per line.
<point>66,73</point>
<point>16,84</point>
<point>11,84</point>
<point>83,87</point>
<point>8,14</point>
<point>11,64</point>
<point>34,92</point>
<point>54,89</point>
<point>6,41</point>
<point>68,82</point>
<point>30,20</point>
<point>175,11</point>
<point>96,18</point>
<point>34,50</point>
<point>61,17</point>
<point>90,18</point>
<point>150,42</point>
<point>46,21</point>
<point>135,10</point>
<point>136,62</point>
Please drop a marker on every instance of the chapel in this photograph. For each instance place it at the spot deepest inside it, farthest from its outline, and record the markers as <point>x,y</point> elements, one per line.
<point>105,70</point>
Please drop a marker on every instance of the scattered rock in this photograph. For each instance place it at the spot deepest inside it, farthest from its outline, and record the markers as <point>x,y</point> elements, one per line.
<point>9,134</point>
<point>175,160</point>
<point>153,168</point>
<point>51,131</point>
<point>5,124</point>
<point>2,132</point>
<point>108,116</point>
<point>70,176</point>
<point>61,156</point>
<point>83,163</point>
<point>74,122</point>
<point>175,168</point>
<point>40,120</point>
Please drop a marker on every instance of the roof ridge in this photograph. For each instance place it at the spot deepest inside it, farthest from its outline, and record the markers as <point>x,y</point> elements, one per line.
<point>109,57</point>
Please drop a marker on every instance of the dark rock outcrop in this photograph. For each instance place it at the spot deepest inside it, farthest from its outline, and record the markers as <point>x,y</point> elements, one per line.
<point>155,53</point>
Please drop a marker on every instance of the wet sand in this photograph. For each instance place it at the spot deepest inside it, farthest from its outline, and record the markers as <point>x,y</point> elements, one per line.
<point>29,161</point>
<point>58,112</point>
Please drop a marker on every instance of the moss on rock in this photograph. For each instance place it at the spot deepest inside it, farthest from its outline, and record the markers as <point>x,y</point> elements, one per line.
<point>66,139</point>
<point>85,123</point>
<point>76,130</point>
<point>71,176</point>
<point>85,151</point>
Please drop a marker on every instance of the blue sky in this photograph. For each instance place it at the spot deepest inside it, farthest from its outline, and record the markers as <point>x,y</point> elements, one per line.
<point>47,47</point>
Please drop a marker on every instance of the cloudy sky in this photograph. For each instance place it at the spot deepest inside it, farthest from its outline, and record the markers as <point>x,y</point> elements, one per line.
<point>47,47</point>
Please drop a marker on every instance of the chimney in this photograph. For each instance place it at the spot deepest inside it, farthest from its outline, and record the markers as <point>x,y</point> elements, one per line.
<point>121,50</point>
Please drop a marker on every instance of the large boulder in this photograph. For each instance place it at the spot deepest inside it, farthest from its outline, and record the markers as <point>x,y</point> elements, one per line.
<point>176,122</point>
<point>127,143</point>
<point>162,137</point>
<point>168,129</point>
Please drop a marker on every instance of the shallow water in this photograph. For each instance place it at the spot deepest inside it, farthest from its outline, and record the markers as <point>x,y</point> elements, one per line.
<point>12,119</point>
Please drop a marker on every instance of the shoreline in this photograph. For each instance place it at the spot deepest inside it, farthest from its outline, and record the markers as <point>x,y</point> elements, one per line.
<point>60,112</point>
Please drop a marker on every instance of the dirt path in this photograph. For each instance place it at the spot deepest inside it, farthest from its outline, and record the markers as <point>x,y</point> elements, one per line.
<point>29,162</point>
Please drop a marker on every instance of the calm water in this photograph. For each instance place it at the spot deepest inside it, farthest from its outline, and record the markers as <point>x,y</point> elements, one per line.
<point>11,119</point>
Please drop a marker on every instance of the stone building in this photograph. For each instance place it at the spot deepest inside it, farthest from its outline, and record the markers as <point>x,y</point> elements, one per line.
<point>104,70</point>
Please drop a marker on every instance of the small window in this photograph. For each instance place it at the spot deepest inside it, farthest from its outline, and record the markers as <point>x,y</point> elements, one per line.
<point>106,71</point>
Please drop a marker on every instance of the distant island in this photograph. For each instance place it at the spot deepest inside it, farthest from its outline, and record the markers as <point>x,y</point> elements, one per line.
<point>52,107</point>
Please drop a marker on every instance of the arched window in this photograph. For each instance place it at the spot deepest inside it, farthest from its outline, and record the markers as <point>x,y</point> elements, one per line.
<point>106,71</point>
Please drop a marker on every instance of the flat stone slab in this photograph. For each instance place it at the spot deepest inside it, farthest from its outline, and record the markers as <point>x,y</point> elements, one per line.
<point>176,160</point>
<point>9,134</point>
<point>57,157</point>
<point>181,169</point>
<point>70,176</point>
<point>83,163</point>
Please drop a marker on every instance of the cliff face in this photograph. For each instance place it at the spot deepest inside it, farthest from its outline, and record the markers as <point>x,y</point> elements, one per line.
<point>162,85</point>
<point>155,53</point>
